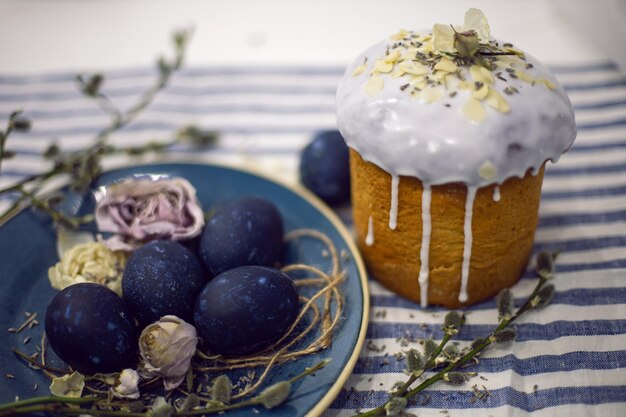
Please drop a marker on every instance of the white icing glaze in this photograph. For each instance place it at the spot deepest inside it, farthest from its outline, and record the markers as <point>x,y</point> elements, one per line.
<point>496,193</point>
<point>424,251</point>
<point>438,144</point>
<point>393,210</point>
<point>369,239</point>
<point>467,242</point>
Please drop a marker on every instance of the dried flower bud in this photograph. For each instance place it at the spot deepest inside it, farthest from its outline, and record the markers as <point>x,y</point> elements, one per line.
<point>221,389</point>
<point>453,322</point>
<point>166,348</point>
<point>504,336</point>
<point>126,385</point>
<point>91,87</point>
<point>275,395</point>
<point>477,342</point>
<point>466,43</point>
<point>505,304</point>
<point>451,352</point>
<point>414,361</point>
<point>21,124</point>
<point>68,385</point>
<point>544,296</point>
<point>52,151</point>
<point>430,347</point>
<point>395,406</point>
<point>545,264</point>
<point>198,137</point>
<point>455,378</point>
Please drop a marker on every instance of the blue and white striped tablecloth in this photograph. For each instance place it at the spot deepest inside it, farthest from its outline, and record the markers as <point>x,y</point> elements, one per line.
<point>569,360</point>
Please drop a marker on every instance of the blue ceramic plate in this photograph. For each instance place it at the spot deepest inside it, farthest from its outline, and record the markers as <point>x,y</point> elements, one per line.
<point>28,249</point>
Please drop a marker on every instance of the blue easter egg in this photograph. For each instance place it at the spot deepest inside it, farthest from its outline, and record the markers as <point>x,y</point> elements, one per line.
<point>325,168</point>
<point>248,231</point>
<point>91,329</point>
<point>162,278</point>
<point>245,310</point>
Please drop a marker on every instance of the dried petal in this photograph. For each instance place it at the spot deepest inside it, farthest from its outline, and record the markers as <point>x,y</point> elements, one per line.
<point>476,20</point>
<point>68,385</point>
<point>443,38</point>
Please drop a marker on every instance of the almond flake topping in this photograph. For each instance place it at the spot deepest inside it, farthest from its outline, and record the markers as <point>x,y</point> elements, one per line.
<point>451,59</point>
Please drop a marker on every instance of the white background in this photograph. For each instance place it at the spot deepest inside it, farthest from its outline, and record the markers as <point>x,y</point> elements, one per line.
<point>37,35</point>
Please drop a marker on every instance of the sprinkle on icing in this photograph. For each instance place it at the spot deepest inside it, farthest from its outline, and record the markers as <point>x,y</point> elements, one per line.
<point>463,57</point>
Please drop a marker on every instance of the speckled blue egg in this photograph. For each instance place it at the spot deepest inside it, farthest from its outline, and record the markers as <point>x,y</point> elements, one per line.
<point>248,231</point>
<point>246,309</point>
<point>90,328</point>
<point>325,168</point>
<point>162,278</point>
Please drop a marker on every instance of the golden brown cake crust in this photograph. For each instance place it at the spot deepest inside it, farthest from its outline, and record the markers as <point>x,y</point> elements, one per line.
<point>503,233</point>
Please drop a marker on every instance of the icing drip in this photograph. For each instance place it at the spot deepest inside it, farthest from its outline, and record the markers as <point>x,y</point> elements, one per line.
<point>393,211</point>
<point>424,251</point>
<point>467,245</point>
<point>369,239</point>
<point>496,193</point>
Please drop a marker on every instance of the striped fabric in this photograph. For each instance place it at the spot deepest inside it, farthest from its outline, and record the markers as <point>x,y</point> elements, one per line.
<point>569,360</point>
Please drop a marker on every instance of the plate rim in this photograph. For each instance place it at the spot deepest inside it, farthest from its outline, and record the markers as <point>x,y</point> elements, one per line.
<point>324,403</point>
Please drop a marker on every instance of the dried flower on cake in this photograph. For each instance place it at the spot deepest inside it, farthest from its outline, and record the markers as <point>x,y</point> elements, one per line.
<point>166,348</point>
<point>464,39</point>
<point>126,385</point>
<point>86,261</point>
<point>141,209</point>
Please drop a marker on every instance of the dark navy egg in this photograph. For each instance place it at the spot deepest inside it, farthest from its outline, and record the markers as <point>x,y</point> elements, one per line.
<point>325,169</point>
<point>245,310</point>
<point>162,278</point>
<point>91,329</point>
<point>248,231</point>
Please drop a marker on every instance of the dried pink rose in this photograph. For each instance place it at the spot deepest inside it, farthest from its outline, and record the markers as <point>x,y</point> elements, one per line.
<point>137,210</point>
